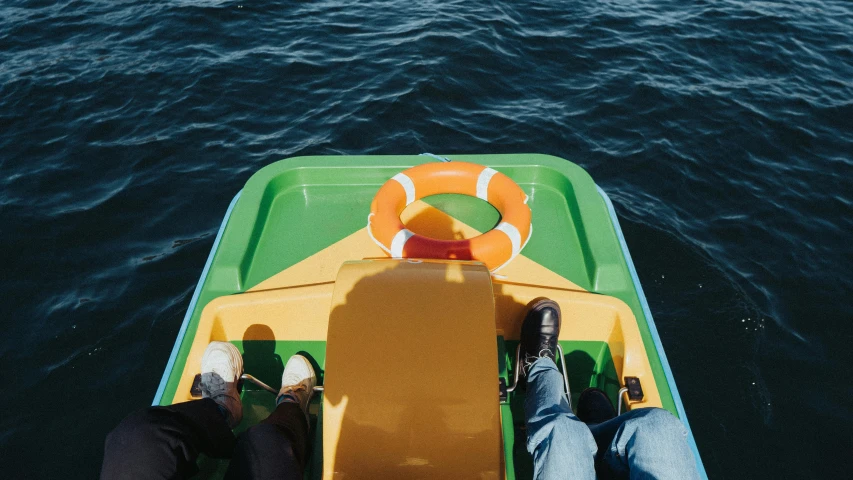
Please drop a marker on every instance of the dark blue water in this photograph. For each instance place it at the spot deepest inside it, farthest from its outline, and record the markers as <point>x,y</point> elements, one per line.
<point>723,131</point>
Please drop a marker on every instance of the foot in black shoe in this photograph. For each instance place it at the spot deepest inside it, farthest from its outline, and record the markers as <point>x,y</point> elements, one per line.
<point>594,407</point>
<point>539,332</point>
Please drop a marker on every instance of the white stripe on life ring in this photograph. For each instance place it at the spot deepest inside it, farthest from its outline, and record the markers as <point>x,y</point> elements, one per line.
<point>408,186</point>
<point>399,242</point>
<point>529,236</point>
<point>513,234</point>
<point>483,183</point>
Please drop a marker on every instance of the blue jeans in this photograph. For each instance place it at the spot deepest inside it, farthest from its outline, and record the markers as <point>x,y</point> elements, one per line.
<point>647,443</point>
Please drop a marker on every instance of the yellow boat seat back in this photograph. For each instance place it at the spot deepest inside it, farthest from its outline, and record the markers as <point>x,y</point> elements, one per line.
<point>411,382</point>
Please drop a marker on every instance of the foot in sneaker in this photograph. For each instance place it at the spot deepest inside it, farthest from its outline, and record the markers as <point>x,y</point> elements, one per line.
<point>539,332</point>
<point>221,369</point>
<point>297,383</point>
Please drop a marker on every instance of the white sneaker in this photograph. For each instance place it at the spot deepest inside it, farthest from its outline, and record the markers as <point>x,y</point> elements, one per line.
<point>297,382</point>
<point>221,369</point>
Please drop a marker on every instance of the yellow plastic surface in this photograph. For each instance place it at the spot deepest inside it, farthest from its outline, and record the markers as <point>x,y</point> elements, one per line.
<point>411,386</point>
<point>296,313</point>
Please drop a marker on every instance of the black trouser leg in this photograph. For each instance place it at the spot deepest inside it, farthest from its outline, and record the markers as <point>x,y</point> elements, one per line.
<point>164,442</point>
<point>276,448</point>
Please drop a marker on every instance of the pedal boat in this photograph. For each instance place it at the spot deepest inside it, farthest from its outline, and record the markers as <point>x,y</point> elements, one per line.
<point>416,357</point>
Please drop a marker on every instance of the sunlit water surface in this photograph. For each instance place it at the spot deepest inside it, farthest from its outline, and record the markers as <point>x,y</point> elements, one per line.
<point>721,130</point>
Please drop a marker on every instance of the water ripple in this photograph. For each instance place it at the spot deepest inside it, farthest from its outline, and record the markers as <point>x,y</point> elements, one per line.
<point>720,129</point>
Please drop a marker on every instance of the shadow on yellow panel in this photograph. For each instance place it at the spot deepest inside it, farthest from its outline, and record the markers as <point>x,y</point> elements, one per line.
<point>411,379</point>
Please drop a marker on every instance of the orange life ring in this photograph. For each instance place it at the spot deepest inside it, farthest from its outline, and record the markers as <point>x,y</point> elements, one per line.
<point>495,248</point>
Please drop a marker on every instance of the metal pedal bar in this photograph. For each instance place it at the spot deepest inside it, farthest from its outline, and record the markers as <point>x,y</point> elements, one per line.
<point>247,377</point>
<point>517,369</point>
<point>259,383</point>
<point>622,391</point>
<point>565,375</point>
<point>562,364</point>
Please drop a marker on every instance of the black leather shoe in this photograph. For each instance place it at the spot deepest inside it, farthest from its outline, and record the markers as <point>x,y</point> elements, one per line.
<point>539,332</point>
<point>594,407</point>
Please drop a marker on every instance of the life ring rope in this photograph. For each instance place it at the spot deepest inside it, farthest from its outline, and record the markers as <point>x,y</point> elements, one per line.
<point>372,237</point>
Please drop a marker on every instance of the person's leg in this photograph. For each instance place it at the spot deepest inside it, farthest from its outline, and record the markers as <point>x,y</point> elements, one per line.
<point>164,442</point>
<point>647,443</point>
<point>562,446</point>
<point>277,448</point>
